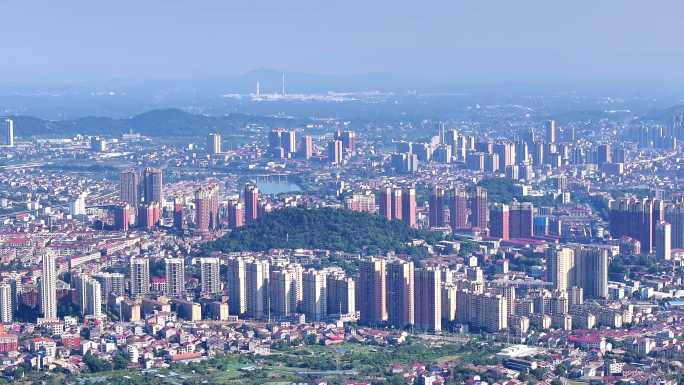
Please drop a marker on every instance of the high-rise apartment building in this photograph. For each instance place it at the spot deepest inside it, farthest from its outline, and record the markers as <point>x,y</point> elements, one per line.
<point>581,266</point>
<point>392,204</point>
<point>122,216</point>
<point>591,269</point>
<point>499,221</point>
<point>521,220</point>
<point>152,183</point>
<point>508,292</point>
<point>48,287</point>
<point>348,139</point>
<point>385,205</point>
<point>140,277</point>
<point>207,208</point>
<point>236,215</point>
<point>210,277</point>
<point>78,282</point>
<point>237,286</point>
<point>179,222</point>
<point>335,154</point>
<point>478,208</point>
<point>257,285</point>
<point>307,147</point>
<point>282,143</point>
<point>314,303</point>
<point>400,293</point>
<point>110,283</point>
<point>93,298</point>
<point>149,215</point>
<point>674,215</point>
<point>397,204</point>
<point>485,311</point>
<point>428,299</point>
<point>560,267</point>
<point>361,202</point>
<point>458,209</point>
<point>288,140</point>
<point>475,161</point>
<point>522,152</point>
<point>436,207</point>
<point>663,241</point>
<point>491,162</point>
<point>506,154</point>
<point>637,218</point>
<point>6,303</point>
<point>175,276</point>
<point>449,295</point>
<point>604,154</point>
<point>371,292</point>
<point>251,203</point>
<point>408,210</point>
<point>275,146</point>
<point>283,283</point>
<point>550,129</point>
<point>214,143</point>
<point>7,138</point>
<point>538,154</point>
<point>341,294</point>
<point>130,187</point>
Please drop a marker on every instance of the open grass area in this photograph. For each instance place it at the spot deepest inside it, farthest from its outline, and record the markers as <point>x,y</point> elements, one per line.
<point>448,358</point>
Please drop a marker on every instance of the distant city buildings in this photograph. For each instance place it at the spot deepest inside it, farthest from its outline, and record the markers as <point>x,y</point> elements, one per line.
<point>130,187</point>
<point>214,143</point>
<point>436,206</point>
<point>7,132</point>
<point>153,187</point>
<point>335,154</point>
<point>527,231</point>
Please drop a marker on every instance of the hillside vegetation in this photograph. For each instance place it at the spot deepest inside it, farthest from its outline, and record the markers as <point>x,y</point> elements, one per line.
<point>325,228</point>
<point>166,122</point>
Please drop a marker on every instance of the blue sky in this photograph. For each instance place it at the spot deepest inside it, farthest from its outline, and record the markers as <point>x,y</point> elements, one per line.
<point>72,41</point>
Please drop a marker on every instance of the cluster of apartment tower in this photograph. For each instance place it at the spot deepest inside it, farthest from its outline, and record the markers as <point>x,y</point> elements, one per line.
<point>652,225</point>
<point>384,291</point>
<point>284,144</point>
<point>146,194</point>
<point>456,209</point>
<point>141,197</point>
<point>518,159</point>
<point>89,290</point>
<point>649,225</point>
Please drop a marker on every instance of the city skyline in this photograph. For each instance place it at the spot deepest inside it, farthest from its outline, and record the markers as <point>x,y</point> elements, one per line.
<point>345,193</point>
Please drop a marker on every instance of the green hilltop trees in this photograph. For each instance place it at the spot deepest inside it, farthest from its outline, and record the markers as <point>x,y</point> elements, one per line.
<point>322,228</point>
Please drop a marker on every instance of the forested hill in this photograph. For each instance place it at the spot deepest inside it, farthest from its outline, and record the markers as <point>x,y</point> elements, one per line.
<point>325,228</point>
<point>166,122</point>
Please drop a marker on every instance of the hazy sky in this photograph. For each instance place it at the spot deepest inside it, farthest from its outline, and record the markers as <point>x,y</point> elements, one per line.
<point>478,39</point>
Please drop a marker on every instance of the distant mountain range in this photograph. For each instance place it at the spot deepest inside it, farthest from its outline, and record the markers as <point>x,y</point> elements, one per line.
<point>666,115</point>
<point>166,122</point>
<point>300,82</point>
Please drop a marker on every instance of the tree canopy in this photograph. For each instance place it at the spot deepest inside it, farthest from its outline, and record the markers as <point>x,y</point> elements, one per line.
<point>323,228</point>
